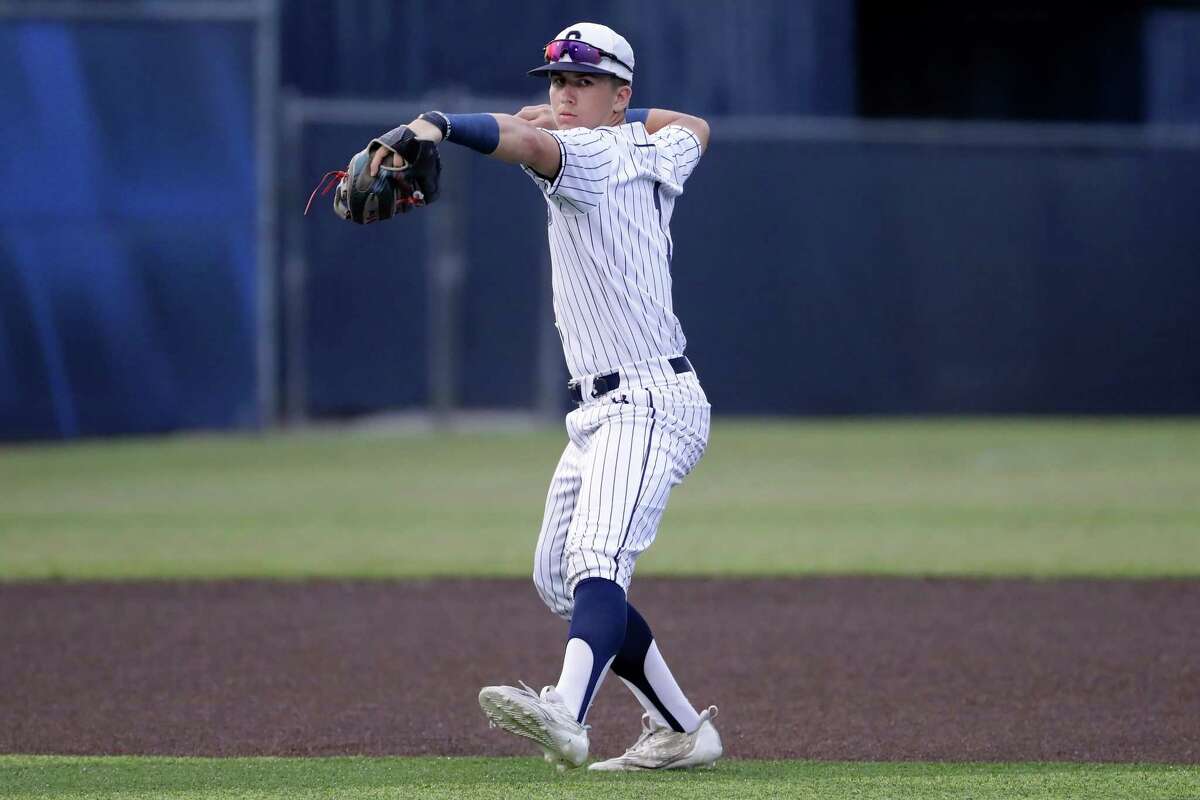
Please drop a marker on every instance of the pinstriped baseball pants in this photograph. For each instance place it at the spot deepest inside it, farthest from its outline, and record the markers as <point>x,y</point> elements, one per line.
<point>627,450</point>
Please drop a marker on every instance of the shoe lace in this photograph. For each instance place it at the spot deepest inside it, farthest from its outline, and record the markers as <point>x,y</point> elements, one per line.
<point>527,689</point>
<point>654,734</point>
<point>651,731</point>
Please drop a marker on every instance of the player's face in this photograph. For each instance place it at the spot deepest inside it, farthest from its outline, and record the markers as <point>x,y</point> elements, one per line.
<point>584,100</point>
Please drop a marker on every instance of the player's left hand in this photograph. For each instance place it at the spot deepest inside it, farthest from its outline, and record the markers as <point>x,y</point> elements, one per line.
<point>396,173</point>
<point>413,163</point>
<point>539,116</point>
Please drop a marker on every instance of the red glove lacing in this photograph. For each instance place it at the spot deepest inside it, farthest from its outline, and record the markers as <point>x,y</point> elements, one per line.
<point>325,185</point>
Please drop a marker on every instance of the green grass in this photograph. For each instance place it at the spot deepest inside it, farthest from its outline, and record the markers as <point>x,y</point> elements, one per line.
<point>31,777</point>
<point>944,497</point>
<point>952,497</point>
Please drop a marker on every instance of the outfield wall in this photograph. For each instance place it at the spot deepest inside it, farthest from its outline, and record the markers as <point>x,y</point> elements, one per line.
<point>825,267</point>
<point>822,265</point>
<point>128,296</point>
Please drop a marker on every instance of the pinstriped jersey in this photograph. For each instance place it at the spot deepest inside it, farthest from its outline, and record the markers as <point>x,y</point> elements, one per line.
<point>609,217</point>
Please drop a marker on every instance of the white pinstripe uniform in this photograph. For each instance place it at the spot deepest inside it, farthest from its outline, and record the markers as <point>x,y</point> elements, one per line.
<point>610,243</point>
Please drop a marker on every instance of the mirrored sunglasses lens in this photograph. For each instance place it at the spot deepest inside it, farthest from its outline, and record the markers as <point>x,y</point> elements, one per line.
<point>583,53</point>
<point>578,51</point>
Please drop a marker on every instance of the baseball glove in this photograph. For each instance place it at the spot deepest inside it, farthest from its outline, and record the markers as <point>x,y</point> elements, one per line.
<point>364,199</point>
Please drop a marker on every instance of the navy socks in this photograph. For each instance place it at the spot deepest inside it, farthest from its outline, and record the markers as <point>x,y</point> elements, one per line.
<point>631,659</point>
<point>641,666</point>
<point>607,631</point>
<point>596,633</point>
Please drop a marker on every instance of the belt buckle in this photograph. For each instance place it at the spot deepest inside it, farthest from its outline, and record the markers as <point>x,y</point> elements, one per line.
<point>599,386</point>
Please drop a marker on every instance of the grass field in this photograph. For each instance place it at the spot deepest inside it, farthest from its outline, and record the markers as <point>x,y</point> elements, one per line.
<point>948,497</point>
<point>31,778</point>
<point>1107,498</point>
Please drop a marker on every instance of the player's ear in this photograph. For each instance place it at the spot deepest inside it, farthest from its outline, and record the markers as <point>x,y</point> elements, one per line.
<point>622,97</point>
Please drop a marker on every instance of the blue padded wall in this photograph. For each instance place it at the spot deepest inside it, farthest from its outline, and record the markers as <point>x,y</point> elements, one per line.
<point>811,277</point>
<point>713,57</point>
<point>824,277</point>
<point>1172,75</point>
<point>127,275</point>
<point>904,278</point>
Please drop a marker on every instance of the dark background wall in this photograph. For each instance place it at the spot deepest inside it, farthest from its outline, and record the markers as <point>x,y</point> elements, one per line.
<point>839,268</point>
<point>836,275</point>
<point>717,56</point>
<point>126,229</point>
<point>1015,60</point>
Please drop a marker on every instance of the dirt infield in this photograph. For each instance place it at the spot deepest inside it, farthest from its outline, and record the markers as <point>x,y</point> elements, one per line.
<point>822,668</point>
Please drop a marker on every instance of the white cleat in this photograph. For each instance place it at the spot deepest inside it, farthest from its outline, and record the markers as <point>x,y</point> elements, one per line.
<point>659,747</point>
<point>543,718</point>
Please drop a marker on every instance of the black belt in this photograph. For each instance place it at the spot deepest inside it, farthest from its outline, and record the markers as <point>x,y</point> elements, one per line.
<point>603,384</point>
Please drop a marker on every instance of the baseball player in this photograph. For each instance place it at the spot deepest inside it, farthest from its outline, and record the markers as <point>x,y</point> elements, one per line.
<point>610,176</point>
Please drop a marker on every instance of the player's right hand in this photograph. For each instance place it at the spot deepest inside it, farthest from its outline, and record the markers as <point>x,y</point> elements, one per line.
<point>539,116</point>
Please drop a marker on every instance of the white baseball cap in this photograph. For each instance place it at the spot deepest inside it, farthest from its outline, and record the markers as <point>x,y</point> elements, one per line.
<point>599,49</point>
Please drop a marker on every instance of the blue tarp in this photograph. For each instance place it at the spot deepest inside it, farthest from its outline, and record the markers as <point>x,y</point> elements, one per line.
<point>811,276</point>
<point>127,274</point>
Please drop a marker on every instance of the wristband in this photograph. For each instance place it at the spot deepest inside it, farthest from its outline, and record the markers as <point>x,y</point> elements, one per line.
<point>480,132</point>
<point>438,120</point>
<point>637,115</point>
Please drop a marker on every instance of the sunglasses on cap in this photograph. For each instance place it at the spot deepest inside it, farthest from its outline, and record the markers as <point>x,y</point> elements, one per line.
<point>580,53</point>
